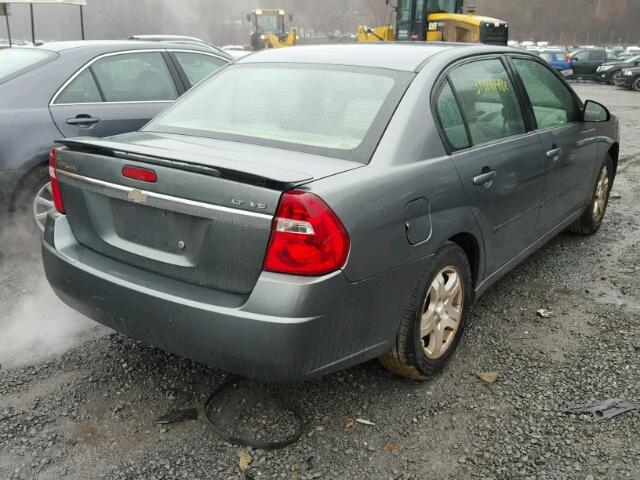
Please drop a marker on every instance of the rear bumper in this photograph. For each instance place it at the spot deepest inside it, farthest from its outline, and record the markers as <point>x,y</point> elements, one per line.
<point>287,330</point>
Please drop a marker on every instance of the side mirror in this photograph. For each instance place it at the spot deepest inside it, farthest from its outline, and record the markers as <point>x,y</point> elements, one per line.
<point>595,112</point>
<point>249,18</point>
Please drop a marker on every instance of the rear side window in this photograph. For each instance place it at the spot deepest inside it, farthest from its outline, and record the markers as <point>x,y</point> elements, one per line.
<point>552,102</point>
<point>450,118</point>
<point>488,101</point>
<point>596,55</point>
<point>198,66</point>
<point>82,89</point>
<point>135,77</point>
<point>14,61</point>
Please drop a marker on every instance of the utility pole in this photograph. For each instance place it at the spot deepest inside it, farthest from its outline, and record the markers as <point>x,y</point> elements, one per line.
<point>5,10</point>
<point>33,28</point>
<point>82,21</point>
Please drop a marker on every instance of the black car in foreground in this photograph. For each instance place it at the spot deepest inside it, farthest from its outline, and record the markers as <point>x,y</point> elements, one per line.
<point>607,72</point>
<point>629,78</point>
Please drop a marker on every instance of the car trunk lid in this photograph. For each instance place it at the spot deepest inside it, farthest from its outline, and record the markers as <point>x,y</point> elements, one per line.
<point>207,218</point>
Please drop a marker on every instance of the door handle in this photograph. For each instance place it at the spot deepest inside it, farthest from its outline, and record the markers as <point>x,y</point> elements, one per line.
<point>554,154</point>
<point>82,120</point>
<point>486,178</point>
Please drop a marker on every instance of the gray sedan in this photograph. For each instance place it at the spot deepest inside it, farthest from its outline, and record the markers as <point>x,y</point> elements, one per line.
<point>66,89</point>
<point>310,208</point>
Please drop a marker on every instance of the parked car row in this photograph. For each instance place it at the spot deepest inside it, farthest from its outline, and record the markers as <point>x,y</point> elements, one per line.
<point>585,63</point>
<point>582,63</point>
<point>90,88</point>
<point>604,65</point>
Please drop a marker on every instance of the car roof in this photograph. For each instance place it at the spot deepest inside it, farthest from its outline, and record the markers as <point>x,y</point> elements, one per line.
<point>106,46</point>
<point>405,56</point>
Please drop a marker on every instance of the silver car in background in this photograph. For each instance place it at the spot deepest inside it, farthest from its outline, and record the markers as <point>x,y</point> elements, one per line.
<point>66,89</point>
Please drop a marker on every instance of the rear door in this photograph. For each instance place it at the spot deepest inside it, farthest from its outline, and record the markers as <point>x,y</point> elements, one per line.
<point>597,57</point>
<point>586,62</point>
<point>594,59</point>
<point>499,163</point>
<point>577,59</point>
<point>116,93</point>
<point>569,152</point>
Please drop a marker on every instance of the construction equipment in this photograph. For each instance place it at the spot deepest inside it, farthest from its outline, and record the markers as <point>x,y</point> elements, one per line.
<point>268,29</point>
<point>438,21</point>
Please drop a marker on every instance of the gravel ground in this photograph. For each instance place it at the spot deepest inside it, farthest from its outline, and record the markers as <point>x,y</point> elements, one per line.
<point>87,411</point>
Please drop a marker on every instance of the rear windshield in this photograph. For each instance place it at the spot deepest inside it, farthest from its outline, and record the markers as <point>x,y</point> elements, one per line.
<point>338,112</point>
<point>14,61</point>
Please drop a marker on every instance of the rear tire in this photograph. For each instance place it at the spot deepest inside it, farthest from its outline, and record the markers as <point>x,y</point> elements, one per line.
<point>434,320</point>
<point>636,84</point>
<point>591,220</point>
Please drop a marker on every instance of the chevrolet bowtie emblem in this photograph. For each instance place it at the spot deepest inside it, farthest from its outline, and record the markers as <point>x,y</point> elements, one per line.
<point>136,196</point>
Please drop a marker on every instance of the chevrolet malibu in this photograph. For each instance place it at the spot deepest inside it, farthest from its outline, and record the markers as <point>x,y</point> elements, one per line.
<point>310,208</point>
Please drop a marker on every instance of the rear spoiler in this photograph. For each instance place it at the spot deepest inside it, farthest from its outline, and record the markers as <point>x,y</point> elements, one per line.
<point>267,176</point>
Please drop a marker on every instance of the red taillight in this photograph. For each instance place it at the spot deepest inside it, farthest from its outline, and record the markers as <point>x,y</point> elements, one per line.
<point>55,185</point>
<point>142,174</point>
<point>307,238</point>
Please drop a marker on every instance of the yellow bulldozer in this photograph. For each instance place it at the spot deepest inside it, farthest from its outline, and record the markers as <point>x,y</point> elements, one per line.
<point>269,31</point>
<point>437,21</point>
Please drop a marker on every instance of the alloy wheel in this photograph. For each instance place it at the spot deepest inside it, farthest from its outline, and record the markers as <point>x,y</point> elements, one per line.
<point>442,312</point>
<point>42,205</point>
<point>602,195</point>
